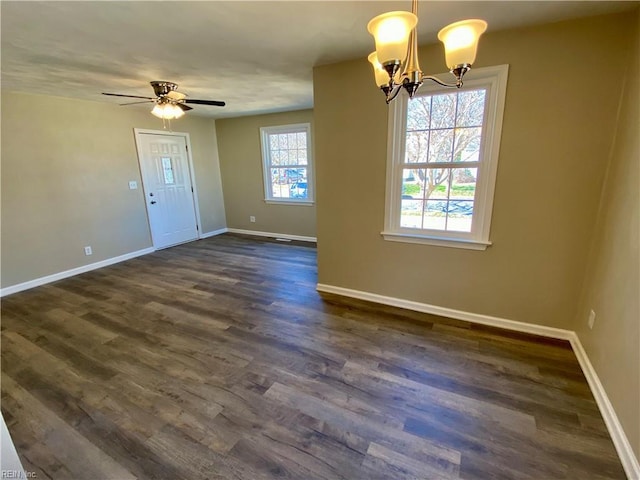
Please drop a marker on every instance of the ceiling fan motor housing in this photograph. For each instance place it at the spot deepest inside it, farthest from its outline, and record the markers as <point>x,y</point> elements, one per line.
<point>163,88</point>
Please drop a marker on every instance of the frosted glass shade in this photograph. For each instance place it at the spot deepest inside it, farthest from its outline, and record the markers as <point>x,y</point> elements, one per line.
<point>167,111</point>
<point>382,77</point>
<point>391,32</point>
<point>177,111</point>
<point>158,110</point>
<point>461,41</point>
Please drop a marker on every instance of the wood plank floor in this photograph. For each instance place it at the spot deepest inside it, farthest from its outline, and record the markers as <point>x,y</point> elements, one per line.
<point>218,360</point>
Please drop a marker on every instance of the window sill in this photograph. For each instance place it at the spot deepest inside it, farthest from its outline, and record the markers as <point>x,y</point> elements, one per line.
<point>437,241</point>
<point>303,203</point>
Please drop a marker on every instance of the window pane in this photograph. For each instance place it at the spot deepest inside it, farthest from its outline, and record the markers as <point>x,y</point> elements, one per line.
<point>413,184</point>
<point>463,183</point>
<point>443,110</point>
<point>437,183</point>
<point>441,145</point>
<point>289,183</point>
<point>416,147</point>
<point>301,140</point>
<point>470,108</point>
<point>459,215</point>
<point>293,175</point>
<point>425,183</point>
<point>302,157</point>
<point>435,215</point>
<point>279,187</point>
<point>462,189</point>
<point>467,145</point>
<point>276,157</point>
<point>298,190</point>
<point>288,149</point>
<point>419,113</point>
<point>449,193</point>
<point>167,171</point>
<point>411,214</point>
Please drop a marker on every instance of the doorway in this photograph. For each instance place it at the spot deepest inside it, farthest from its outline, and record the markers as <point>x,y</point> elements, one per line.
<point>169,191</point>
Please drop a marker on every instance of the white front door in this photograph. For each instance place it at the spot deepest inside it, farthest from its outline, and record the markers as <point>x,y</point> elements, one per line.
<point>168,188</point>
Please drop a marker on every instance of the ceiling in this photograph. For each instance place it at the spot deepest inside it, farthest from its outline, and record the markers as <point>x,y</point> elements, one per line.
<point>256,55</point>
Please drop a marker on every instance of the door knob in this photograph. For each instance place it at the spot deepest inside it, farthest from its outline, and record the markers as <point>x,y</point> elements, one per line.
<point>153,202</point>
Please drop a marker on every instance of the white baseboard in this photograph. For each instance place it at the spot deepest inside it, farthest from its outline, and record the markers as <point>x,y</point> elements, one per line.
<point>450,312</point>
<point>273,235</point>
<point>74,271</point>
<point>620,440</point>
<point>214,233</point>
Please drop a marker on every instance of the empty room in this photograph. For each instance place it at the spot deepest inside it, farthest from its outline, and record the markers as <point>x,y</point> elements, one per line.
<point>323,240</point>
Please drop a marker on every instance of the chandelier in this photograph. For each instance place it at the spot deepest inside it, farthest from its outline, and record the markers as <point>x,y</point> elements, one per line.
<point>395,61</point>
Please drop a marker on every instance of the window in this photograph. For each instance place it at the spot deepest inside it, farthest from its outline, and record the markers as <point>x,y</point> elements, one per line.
<point>442,164</point>
<point>167,171</point>
<point>287,164</point>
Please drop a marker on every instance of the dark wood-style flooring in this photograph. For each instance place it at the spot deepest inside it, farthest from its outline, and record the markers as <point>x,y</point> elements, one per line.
<point>218,360</point>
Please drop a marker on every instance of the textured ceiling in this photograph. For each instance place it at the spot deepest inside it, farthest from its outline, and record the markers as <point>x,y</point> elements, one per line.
<point>257,56</point>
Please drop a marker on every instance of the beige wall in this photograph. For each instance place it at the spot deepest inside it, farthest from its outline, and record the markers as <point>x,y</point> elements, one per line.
<point>241,167</point>
<point>612,286</point>
<point>562,96</point>
<point>66,166</point>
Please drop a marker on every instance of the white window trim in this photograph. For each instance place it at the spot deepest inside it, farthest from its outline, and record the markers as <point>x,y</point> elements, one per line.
<point>266,163</point>
<point>288,201</point>
<point>495,79</point>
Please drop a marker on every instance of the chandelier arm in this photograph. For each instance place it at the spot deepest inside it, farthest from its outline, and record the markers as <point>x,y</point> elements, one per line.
<point>394,93</point>
<point>440,82</point>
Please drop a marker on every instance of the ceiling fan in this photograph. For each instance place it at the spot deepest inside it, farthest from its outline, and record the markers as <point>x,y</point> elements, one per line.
<point>169,103</point>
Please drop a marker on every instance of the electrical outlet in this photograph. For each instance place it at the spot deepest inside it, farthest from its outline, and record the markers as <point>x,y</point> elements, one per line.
<point>88,251</point>
<point>592,319</point>
<point>252,219</point>
<point>133,185</point>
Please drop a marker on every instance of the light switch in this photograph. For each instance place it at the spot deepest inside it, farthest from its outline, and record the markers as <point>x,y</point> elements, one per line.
<point>133,185</point>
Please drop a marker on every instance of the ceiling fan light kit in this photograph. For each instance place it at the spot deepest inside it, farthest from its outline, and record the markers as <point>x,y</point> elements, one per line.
<point>169,103</point>
<point>167,110</point>
<point>395,61</point>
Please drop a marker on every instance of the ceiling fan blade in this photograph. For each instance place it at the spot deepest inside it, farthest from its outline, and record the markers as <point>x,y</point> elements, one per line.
<point>173,95</point>
<point>128,96</point>
<point>184,108</point>
<point>136,103</point>
<point>205,102</point>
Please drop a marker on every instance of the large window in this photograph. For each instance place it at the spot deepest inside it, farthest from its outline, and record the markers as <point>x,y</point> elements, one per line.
<point>443,160</point>
<point>287,163</point>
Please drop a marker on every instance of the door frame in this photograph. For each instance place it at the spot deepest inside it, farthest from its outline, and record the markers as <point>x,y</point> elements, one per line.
<point>194,195</point>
